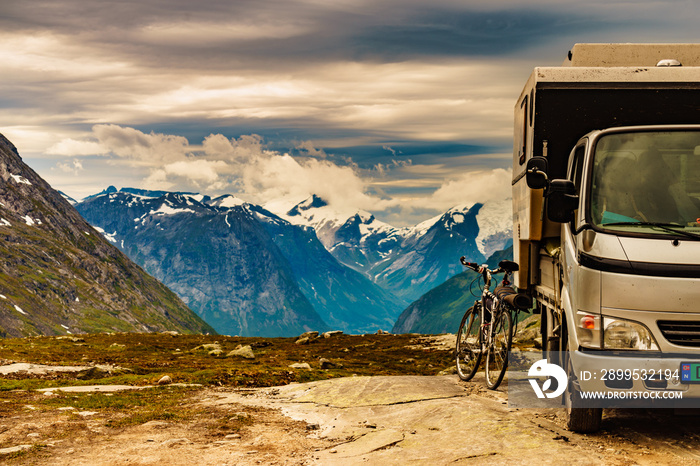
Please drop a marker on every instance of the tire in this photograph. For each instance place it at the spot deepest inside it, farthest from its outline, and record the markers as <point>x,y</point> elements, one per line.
<point>468,347</point>
<point>578,417</point>
<point>497,354</point>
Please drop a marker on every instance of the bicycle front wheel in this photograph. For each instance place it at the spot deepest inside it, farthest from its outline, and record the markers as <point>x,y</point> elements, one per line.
<point>497,352</point>
<point>468,348</point>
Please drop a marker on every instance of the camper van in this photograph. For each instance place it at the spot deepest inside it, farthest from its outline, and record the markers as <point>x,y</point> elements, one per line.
<point>606,211</point>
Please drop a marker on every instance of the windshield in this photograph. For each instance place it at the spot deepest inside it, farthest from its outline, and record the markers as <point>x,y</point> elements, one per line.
<point>647,181</point>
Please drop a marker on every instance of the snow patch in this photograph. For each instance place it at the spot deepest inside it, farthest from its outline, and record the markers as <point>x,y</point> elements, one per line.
<point>169,210</point>
<point>3,296</point>
<point>20,179</point>
<point>19,309</point>
<point>495,220</point>
<point>423,227</point>
<point>28,220</point>
<point>228,201</point>
<point>5,223</point>
<point>111,237</point>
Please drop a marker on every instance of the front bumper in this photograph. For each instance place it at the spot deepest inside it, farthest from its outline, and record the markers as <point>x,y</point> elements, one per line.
<point>622,376</point>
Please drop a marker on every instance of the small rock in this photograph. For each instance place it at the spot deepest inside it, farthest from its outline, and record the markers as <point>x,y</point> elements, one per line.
<point>260,344</point>
<point>11,450</point>
<point>116,346</point>
<point>382,332</point>
<point>245,352</point>
<point>332,333</point>
<point>176,441</point>
<point>232,436</point>
<point>208,347</point>
<point>312,427</point>
<point>326,364</point>
<point>306,337</point>
<point>216,352</point>
<point>34,435</point>
<point>170,332</point>
<point>165,380</point>
<point>92,373</point>
<point>69,338</point>
<point>449,371</point>
<point>301,365</point>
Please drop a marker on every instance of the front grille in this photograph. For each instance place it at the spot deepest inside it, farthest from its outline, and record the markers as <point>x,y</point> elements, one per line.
<point>681,332</point>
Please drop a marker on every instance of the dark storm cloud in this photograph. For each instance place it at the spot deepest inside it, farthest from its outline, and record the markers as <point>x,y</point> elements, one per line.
<point>292,31</point>
<point>468,33</point>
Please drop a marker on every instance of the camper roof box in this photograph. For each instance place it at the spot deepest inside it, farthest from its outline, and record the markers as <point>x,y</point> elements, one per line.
<point>643,55</point>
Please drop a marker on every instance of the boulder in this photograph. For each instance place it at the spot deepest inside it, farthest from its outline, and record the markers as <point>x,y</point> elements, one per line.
<point>165,380</point>
<point>245,352</point>
<point>326,364</point>
<point>301,365</point>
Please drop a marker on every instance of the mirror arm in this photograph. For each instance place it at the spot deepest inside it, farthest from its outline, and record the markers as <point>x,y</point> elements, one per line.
<point>582,228</point>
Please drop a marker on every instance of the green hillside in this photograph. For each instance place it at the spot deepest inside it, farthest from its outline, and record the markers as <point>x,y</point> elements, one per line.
<point>441,309</point>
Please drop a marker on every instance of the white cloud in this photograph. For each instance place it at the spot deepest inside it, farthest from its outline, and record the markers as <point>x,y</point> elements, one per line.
<point>73,147</point>
<point>195,172</point>
<point>74,167</point>
<point>308,148</point>
<point>131,143</point>
<point>245,167</point>
<point>470,188</point>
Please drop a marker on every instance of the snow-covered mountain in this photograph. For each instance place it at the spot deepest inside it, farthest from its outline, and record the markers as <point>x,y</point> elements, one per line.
<point>242,268</point>
<point>408,261</point>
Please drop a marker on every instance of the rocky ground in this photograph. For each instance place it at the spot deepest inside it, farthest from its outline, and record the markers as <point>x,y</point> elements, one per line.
<point>361,419</point>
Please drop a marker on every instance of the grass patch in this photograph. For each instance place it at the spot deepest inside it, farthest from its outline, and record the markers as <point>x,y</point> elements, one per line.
<point>142,359</point>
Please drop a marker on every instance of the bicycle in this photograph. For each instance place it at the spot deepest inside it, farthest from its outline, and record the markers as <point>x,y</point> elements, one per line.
<point>487,326</point>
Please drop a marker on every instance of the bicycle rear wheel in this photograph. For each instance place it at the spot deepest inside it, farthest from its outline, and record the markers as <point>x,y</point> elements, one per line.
<point>468,348</point>
<point>497,353</point>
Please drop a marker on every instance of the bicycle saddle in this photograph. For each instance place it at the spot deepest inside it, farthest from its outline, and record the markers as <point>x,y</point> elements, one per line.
<point>508,266</point>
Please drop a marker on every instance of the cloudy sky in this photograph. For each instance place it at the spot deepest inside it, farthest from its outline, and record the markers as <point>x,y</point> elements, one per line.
<point>400,107</point>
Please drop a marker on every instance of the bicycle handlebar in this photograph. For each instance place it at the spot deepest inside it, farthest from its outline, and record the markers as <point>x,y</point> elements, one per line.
<point>479,268</point>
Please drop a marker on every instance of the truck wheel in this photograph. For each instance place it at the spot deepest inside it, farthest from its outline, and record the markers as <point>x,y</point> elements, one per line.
<point>579,418</point>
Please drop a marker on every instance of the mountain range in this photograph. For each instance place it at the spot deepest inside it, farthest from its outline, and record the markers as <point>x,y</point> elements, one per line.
<point>249,271</point>
<point>243,269</point>
<point>409,261</point>
<point>59,275</point>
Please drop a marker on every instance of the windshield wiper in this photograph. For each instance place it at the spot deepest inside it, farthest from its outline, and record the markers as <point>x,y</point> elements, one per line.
<point>670,227</point>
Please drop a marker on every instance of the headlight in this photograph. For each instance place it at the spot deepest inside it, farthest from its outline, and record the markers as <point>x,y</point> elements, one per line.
<point>627,335</point>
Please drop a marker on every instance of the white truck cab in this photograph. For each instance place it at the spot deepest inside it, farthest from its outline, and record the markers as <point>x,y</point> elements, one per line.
<point>606,201</point>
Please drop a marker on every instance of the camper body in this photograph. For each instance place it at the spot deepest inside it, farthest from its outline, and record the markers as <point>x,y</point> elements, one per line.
<point>610,246</point>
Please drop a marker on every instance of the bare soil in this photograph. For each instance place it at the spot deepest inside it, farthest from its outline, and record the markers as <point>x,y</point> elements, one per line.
<point>387,418</point>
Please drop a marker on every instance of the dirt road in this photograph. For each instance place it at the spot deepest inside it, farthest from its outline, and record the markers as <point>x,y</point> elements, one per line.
<point>355,420</point>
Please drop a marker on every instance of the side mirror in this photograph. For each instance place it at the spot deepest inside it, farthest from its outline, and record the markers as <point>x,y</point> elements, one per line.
<point>536,173</point>
<point>562,201</point>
